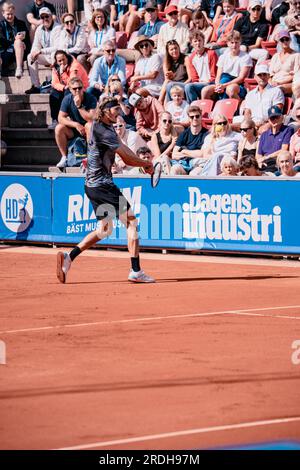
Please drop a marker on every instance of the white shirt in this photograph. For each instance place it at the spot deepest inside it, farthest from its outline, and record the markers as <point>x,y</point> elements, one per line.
<point>259,103</point>
<point>180,33</point>
<point>200,62</point>
<point>222,145</point>
<point>234,64</point>
<point>179,113</point>
<point>146,65</point>
<point>98,38</point>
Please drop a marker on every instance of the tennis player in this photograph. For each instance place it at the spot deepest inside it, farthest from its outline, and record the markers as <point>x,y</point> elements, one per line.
<point>106,198</point>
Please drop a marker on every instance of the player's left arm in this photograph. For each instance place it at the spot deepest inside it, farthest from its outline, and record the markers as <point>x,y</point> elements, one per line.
<point>131,159</point>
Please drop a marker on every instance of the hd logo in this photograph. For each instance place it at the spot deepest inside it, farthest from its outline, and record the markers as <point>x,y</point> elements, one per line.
<point>16,208</point>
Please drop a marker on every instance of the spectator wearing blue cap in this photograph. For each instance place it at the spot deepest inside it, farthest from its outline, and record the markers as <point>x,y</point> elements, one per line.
<point>273,140</point>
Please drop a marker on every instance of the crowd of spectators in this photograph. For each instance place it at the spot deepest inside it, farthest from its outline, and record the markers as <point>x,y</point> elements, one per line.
<point>164,62</point>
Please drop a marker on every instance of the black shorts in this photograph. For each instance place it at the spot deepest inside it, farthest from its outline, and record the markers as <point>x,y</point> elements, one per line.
<point>107,200</point>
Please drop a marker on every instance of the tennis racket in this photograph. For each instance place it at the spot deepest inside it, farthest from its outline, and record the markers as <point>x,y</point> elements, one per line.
<point>155,177</point>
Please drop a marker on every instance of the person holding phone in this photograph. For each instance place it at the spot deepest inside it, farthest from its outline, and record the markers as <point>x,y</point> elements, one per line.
<point>14,40</point>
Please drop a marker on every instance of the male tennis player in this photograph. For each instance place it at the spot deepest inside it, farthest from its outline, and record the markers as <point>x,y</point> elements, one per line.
<point>106,198</point>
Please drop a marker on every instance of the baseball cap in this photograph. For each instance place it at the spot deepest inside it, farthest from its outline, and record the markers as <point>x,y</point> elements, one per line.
<point>255,3</point>
<point>274,111</point>
<point>284,34</point>
<point>170,9</point>
<point>134,99</point>
<point>45,11</point>
<point>151,5</point>
<point>261,68</point>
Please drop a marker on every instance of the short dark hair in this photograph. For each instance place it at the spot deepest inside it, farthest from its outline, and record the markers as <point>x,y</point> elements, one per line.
<point>248,161</point>
<point>143,150</point>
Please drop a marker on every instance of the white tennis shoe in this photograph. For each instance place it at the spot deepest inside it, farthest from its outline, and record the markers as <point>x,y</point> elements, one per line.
<point>139,276</point>
<point>63,265</point>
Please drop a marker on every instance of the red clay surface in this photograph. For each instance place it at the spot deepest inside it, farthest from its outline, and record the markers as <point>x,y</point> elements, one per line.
<point>139,362</point>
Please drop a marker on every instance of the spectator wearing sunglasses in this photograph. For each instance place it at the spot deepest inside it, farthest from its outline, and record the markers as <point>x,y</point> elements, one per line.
<point>152,24</point>
<point>273,140</point>
<point>284,64</point>
<point>101,32</point>
<point>249,142</point>
<point>109,64</point>
<point>147,112</point>
<point>148,72</point>
<point>114,89</point>
<point>73,39</point>
<point>173,29</point>
<point>163,141</point>
<point>77,108</point>
<point>43,47</point>
<point>33,15</point>
<point>130,138</point>
<point>253,29</point>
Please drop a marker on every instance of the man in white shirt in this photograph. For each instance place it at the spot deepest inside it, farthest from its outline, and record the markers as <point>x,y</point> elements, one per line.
<point>263,97</point>
<point>44,45</point>
<point>173,29</point>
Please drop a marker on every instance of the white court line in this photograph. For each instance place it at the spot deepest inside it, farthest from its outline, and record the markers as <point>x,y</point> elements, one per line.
<point>167,317</point>
<point>151,437</point>
<point>266,316</point>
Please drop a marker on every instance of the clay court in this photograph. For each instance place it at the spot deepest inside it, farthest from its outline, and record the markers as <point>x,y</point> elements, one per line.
<point>201,359</point>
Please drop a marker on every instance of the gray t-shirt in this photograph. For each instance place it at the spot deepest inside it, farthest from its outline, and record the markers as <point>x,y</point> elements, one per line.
<point>101,155</point>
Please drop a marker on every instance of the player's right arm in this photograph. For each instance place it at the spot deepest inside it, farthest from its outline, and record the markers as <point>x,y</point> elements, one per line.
<point>131,159</point>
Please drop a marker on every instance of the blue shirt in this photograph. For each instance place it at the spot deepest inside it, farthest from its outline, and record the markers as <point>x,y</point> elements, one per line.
<point>150,30</point>
<point>68,106</point>
<point>270,143</point>
<point>190,141</point>
<point>101,70</point>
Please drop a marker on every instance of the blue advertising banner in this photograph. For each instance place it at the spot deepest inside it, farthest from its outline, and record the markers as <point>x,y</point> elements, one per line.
<point>25,208</point>
<point>240,214</point>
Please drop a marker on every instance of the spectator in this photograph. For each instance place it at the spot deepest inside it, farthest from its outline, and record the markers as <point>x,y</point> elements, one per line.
<point>64,68</point>
<point>43,47</point>
<point>163,141</point>
<point>108,64</point>
<point>285,164</point>
<point>119,14</point>
<point>229,166</point>
<point>274,9</point>
<point>173,29</point>
<point>174,67</point>
<point>200,23</point>
<point>114,88</point>
<point>187,8</point>
<point>136,15</point>
<point>201,67</point>
<point>187,153</point>
<point>152,24</point>
<point>73,39</point>
<point>233,67</point>
<point>248,166</point>
<point>178,108</point>
<point>130,138</point>
<point>273,140</point>
<point>249,142</point>
<point>77,108</point>
<point>295,141</point>
<point>33,15</point>
<point>220,141</point>
<point>148,70</point>
<point>253,29</point>
<point>263,97</point>
<point>91,5</point>
<point>147,113</point>
<point>212,9</point>
<point>101,32</point>
<point>224,25</point>
<point>14,40</point>
<point>284,64</point>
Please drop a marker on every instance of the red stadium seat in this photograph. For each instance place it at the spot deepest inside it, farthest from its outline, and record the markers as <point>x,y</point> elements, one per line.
<point>227,107</point>
<point>206,106</point>
<point>287,105</point>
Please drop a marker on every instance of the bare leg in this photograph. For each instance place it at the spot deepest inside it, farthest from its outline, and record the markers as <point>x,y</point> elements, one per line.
<point>19,51</point>
<point>62,135</point>
<point>130,221</point>
<point>91,239</point>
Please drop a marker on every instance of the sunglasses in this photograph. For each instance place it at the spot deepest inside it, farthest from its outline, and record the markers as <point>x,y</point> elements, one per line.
<point>223,123</point>
<point>150,10</point>
<point>69,22</point>
<point>99,17</point>
<point>195,116</point>
<point>256,9</point>
<point>284,39</point>
<point>110,51</point>
<point>77,88</point>
<point>118,126</point>
<point>274,118</point>
<point>45,17</point>
<point>173,13</point>
<point>245,129</point>
<point>144,45</point>
<point>165,121</point>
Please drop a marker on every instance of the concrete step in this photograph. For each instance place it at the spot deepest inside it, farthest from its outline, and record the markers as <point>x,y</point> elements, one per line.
<point>26,118</point>
<point>34,103</point>
<point>19,85</point>
<point>42,155</point>
<point>20,134</point>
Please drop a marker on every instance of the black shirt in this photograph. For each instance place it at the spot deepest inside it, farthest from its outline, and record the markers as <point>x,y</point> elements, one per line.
<point>251,31</point>
<point>8,33</point>
<point>35,9</point>
<point>210,7</point>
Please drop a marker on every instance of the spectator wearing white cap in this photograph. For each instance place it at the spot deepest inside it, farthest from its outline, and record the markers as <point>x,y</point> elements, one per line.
<point>284,64</point>
<point>253,30</point>
<point>43,47</point>
<point>263,97</point>
<point>33,15</point>
<point>173,29</point>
